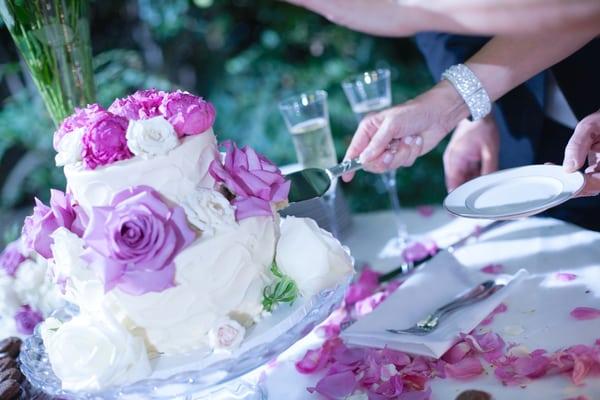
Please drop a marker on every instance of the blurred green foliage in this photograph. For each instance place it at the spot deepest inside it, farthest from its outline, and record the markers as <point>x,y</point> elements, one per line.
<point>244,56</point>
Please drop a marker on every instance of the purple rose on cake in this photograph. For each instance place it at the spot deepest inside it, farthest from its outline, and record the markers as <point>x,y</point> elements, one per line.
<point>254,181</point>
<point>104,141</point>
<point>11,257</point>
<point>189,114</point>
<point>38,227</point>
<point>132,242</point>
<point>80,119</point>
<point>26,319</point>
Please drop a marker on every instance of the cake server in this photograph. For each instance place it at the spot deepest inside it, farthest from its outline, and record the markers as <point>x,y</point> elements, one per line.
<point>311,183</point>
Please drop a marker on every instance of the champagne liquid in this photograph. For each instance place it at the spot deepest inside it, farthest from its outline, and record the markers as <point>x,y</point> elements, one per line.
<point>368,106</point>
<point>314,144</point>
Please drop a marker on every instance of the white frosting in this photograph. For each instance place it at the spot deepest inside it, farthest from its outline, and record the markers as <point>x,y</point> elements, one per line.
<point>217,277</point>
<point>174,174</point>
<point>321,263</point>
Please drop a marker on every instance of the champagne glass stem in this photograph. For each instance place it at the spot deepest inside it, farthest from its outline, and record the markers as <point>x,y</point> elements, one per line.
<point>390,183</point>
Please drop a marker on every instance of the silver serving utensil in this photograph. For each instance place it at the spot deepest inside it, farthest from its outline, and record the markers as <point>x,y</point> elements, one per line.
<point>432,321</point>
<point>310,183</point>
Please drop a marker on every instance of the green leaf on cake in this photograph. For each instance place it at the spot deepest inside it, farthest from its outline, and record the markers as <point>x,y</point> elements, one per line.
<point>282,290</point>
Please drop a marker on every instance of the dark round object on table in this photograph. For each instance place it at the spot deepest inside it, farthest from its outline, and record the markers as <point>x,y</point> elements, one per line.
<point>10,347</point>
<point>9,389</point>
<point>474,395</point>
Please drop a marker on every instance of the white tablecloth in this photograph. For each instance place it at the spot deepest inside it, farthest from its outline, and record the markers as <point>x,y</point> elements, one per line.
<point>540,307</point>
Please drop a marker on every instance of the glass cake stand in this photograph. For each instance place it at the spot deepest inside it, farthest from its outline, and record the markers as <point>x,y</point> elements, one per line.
<point>198,375</point>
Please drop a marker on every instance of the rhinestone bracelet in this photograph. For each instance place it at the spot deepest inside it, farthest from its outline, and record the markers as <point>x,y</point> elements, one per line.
<point>470,89</point>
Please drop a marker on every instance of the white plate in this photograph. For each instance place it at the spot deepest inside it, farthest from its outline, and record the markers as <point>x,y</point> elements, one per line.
<point>514,193</point>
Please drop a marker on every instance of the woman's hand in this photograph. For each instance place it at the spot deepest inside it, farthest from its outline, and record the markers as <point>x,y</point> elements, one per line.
<point>585,144</point>
<point>397,136</point>
<point>472,151</point>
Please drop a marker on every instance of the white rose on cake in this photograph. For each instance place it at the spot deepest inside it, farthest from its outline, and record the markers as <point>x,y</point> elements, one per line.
<point>151,137</point>
<point>81,286</point>
<point>90,353</point>
<point>311,256</point>
<point>209,211</point>
<point>227,335</point>
<point>70,148</point>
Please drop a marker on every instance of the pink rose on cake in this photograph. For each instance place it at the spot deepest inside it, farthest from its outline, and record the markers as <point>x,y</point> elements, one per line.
<point>132,242</point>
<point>79,119</point>
<point>142,104</point>
<point>254,181</point>
<point>104,141</point>
<point>38,227</point>
<point>189,114</point>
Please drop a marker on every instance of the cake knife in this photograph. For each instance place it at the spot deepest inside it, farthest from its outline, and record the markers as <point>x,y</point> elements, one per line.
<point>311,183</point>
<point>407,266</point>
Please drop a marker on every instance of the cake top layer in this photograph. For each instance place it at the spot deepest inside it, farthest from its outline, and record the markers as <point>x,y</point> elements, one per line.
<point>146,124</point>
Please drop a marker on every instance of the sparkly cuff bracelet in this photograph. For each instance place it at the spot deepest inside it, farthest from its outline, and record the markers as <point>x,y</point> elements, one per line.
<point>470,89</point>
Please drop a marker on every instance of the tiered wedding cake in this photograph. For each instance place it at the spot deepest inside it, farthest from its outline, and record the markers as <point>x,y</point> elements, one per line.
<point>164,245</point>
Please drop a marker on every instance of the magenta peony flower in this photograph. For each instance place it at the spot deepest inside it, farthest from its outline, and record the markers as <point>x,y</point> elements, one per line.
<point>26,320</point>
<point>104,141</point>
<point>79,119</point>
<point>142,104</point>
<point>38,227</point>
<point>252,178</point>
<point>11,258</point>
<point>189,114</point>
<point>132,242</point>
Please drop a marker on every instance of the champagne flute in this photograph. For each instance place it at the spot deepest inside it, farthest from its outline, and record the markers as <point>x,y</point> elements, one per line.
<point>307,119</point>
<point>370,92</point>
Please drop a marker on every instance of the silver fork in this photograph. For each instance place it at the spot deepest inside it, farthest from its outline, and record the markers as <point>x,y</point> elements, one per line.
<point>432,321</point>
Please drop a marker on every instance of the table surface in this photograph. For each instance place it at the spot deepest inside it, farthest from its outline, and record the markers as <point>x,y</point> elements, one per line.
<point>540,306</point>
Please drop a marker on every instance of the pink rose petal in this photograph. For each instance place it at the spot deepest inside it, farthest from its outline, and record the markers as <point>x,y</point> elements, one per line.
<point>466,368</point>
<point>425,211</point>
<point>585,313</point>
<point>493,269</point>
<point>337,386</point>
<point>565,276</point>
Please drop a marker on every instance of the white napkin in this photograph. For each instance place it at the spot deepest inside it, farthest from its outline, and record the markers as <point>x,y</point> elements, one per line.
<point>435,284</point>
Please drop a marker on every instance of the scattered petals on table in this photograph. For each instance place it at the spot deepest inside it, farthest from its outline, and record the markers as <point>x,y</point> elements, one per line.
<point>425,211</point>
<point>565,276</point>
<point>585,313</point>
<point>467,368</point>
<point>493,269</point>
<point>417,251</point>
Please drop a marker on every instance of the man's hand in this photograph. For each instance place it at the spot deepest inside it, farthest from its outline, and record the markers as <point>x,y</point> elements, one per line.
<point>585,144</point>
<point>472,151</point>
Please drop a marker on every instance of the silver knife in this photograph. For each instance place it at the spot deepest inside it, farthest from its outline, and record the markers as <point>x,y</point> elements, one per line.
<point>407,267</point>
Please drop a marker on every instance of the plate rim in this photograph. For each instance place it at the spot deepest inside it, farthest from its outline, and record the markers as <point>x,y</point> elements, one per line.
<point>531,212</point>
